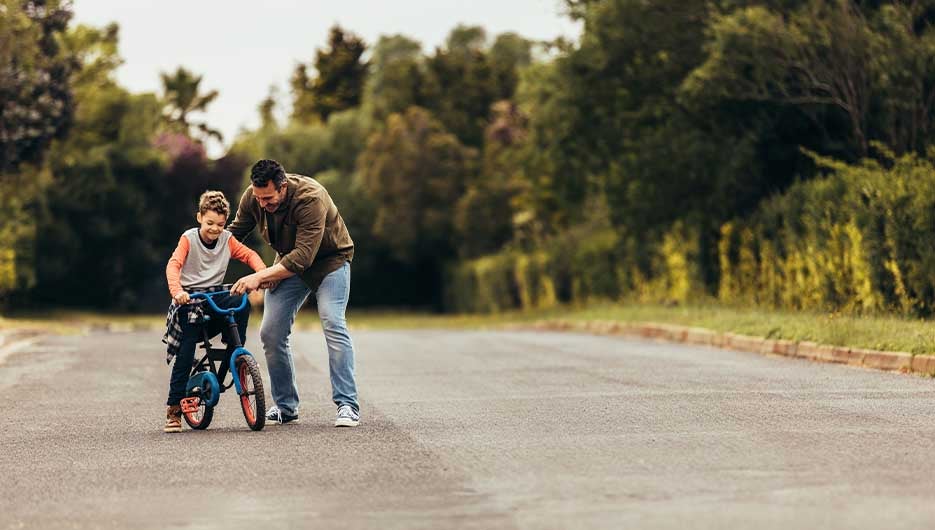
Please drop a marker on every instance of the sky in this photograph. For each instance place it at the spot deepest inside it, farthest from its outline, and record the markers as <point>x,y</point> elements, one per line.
<point>242,48</point>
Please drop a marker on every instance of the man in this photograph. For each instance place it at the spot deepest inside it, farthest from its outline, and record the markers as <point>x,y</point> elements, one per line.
<point>297,218</point>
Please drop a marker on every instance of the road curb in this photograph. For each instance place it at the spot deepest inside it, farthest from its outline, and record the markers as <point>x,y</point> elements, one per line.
<point>12,336</point>
<point>890,361</point>
<point>12,340</point>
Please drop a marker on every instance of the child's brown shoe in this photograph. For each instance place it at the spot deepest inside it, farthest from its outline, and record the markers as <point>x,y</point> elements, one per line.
<point>173,419</point>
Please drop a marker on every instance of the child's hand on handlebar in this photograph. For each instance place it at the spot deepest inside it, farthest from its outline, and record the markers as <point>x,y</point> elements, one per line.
<point>181,298</point>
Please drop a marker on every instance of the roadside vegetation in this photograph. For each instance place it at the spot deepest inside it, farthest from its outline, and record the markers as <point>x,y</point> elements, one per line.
<point>880,332</point>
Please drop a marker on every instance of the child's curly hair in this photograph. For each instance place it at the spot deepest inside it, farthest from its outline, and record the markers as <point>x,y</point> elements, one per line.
<point>214,201</point>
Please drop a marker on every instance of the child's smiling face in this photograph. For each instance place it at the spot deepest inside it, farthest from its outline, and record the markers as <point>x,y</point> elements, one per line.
<point>212,223</point>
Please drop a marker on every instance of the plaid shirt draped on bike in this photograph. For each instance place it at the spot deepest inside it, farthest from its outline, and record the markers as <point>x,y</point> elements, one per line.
<point>196,315</point>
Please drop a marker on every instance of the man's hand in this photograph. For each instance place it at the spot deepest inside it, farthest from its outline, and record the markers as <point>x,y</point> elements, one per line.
<point>247,284</point>
<point>267,278</point>
<point>269,285</point>
<point>181,298</point>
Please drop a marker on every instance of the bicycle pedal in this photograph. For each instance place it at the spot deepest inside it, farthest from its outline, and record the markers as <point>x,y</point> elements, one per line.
<point>190,405</point>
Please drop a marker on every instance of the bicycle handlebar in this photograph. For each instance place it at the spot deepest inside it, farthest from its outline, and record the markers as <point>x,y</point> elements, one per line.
<point>209,298</point>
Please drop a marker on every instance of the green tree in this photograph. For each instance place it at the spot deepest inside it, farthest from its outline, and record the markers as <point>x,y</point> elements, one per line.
<point>485,215</point>
<point>36,107</point>
<point>267,110</point>
<point>304,107</point>
<point>831,77</point>
<point>460,89</point>
<point>95,49</point>
<point>396,76</point>
<point>339,81</point>
<point>816,57</point>
<point>36,103</point>
<point>182,96</point>
<point>103,176</point>
<point>904,82</point>
<point>601,112</point>
<point>466,39</point>
<point>348,131</point>
<point>509,54</point>
<point>415,171</point>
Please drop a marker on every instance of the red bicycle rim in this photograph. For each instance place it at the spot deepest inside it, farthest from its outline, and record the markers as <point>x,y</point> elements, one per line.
<point>245,398</point>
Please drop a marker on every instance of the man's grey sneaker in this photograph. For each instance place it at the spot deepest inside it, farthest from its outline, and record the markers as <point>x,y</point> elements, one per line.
<point>347,417</point>
<point>274,414</point>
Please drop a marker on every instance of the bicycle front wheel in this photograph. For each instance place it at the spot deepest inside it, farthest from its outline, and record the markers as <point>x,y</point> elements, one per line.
<point>195,409</point>
<point>200,417</point>
<point>252,398</point>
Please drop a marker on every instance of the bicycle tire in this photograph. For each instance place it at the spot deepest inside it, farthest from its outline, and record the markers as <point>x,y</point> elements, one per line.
<point>201,420</point>
<point>252,397</point>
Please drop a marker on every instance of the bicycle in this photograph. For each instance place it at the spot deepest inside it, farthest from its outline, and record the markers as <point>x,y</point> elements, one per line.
<point>204,387</point>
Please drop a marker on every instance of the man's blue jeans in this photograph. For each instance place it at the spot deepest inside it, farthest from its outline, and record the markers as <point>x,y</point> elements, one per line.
<point>279,309</point>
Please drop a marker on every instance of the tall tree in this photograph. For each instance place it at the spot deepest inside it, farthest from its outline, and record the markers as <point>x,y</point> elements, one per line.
<point>509,53</point>
<point>903,104</point>
<point>830,76</point>
<point>304,106</point>
<point>36,102</point>
<point>396,76</point>
<point>36,107</point>
<point>104,175</point>
<point>460,89</point>
<point>339,79</point>
<point>267,109</point>
<point>182,96</point>
<point>466,39</point>
<point>95,50</point>
<point>484,216</point>
<point>415,171</point>
<point>604,118</point>
<point>817,58</point>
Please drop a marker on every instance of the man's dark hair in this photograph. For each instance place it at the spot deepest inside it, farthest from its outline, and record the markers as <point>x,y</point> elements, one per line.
<point>267,170</point>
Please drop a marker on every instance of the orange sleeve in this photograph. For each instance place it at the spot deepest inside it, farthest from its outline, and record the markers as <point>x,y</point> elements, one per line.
<point>174,267</point>
<point>245,254</point>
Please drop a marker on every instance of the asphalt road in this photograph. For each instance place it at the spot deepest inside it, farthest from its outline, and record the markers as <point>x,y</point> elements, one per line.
<point>478,430</point>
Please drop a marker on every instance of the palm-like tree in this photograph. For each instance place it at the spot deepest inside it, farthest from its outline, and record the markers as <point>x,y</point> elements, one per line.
<point>182,97</point>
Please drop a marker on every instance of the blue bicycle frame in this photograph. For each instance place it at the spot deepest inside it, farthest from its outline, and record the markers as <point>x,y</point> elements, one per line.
<point>228,314</point>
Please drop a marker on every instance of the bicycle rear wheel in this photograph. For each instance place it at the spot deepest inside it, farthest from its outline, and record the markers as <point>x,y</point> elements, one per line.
<point>199,415</point>
<point>252,398</point>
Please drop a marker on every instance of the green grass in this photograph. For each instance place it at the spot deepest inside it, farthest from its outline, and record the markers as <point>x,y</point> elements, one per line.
<point>69,322</point>
<point>873,332</point>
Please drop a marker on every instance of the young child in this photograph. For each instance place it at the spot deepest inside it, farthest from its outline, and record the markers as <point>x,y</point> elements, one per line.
<point>199,264</point>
